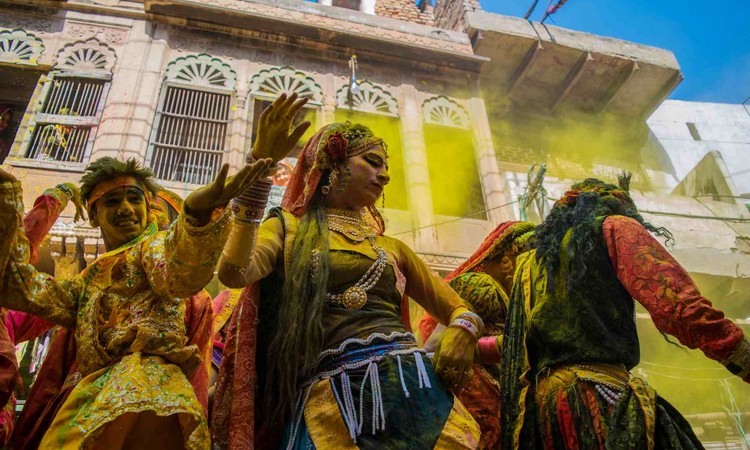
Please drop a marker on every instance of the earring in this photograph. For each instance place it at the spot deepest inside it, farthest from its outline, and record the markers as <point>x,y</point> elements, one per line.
<point>332,179</point>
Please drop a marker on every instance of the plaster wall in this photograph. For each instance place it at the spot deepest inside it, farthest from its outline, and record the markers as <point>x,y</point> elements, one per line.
<point>722,127</point>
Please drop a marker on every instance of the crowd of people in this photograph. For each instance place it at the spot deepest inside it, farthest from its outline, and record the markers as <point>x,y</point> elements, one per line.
<point>528,344</point>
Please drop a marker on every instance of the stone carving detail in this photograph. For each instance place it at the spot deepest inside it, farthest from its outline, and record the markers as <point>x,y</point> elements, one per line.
<point>441,110</point>
<point>20,47</point>
<point>111,35</point>
<point>29,23</point>
<point>272,82</point>
<point>369,99</point>
<point>87,56</point>
<point>201,70</point>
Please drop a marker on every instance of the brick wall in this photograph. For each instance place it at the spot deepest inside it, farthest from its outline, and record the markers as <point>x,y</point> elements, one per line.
<point>449,14</point>
<point>405,10</point>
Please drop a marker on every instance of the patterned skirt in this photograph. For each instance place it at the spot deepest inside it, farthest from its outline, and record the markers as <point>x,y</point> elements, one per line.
<point>139,401</point>
<point>375,393</point>
<point>601,406</point>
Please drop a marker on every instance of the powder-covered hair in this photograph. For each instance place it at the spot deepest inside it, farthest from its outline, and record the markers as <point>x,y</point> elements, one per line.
<point>107,168</point>
<point>578,209</point>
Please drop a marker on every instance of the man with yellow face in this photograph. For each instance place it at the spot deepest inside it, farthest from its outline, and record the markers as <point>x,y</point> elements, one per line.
<point>128,307</point>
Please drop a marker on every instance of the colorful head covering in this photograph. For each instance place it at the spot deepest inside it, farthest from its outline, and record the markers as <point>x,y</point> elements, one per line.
<point>326,150</point>
<point>497,242</point>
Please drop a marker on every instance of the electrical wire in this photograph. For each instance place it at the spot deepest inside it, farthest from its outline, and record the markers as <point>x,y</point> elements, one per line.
<point>531,10</point>
<point>454,220</point>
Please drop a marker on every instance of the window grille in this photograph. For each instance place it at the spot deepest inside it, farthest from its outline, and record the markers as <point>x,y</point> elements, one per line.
<point>190,140</point>
<point>62,129</point>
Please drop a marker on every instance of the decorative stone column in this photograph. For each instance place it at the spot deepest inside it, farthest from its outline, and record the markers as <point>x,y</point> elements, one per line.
<point>126,122</point>
<point>416,171</point>
<point>484,151</point>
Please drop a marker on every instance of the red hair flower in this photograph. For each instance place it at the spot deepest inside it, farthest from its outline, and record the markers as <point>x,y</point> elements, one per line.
<point>336,146</point>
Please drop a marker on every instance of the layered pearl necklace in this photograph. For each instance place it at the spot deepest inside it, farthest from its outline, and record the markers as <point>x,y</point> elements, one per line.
<point>350,224</point>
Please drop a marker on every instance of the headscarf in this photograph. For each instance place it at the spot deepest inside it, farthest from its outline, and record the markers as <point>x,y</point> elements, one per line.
<point>501,241</point>
<point>326,150</point>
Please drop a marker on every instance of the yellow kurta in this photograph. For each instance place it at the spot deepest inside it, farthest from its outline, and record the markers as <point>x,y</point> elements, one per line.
<point>128,310</point>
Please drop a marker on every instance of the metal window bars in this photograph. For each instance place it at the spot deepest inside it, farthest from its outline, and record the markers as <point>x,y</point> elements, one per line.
<point>62,127</point>
<point>190,140</point>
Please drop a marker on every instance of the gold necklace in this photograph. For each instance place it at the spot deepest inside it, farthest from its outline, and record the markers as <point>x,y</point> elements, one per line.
<point>348,223</point>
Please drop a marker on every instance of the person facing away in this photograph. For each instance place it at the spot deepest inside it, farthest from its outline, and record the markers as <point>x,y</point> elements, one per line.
<point>570,336</point>
<point>127,307</point>
<point>485,281</point>
<point>331,358</point>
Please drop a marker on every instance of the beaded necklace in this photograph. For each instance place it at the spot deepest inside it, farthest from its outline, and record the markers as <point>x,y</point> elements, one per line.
<point>351,225</point>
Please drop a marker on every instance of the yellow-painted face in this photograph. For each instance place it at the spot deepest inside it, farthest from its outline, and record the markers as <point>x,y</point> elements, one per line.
<point>122,215</point>
<point>369,175</point>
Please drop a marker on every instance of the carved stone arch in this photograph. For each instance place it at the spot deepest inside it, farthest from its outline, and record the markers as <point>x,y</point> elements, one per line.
<point>275,81</point>
<point>370,99</point>
<point>441,110</point>
<point>201,70</point>
<point>88,56</point>
<point>20,47</point>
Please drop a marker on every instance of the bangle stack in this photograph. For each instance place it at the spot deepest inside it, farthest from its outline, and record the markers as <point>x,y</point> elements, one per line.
<point>251,204</point>
<point>469,322</point>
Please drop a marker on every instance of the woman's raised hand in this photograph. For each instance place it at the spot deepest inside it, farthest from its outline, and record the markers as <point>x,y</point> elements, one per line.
<point>275,137</point>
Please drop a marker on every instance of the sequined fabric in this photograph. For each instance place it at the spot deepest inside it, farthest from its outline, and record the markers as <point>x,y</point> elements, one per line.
<point>130,300</point>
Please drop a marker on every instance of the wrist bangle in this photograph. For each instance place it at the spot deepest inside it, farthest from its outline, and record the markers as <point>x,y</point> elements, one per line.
<point>473,318</point>
<point>739,361</point>
<point>467,325</point>
<point>245,213</point>
<point>65,190</point>
<point>488,351</point>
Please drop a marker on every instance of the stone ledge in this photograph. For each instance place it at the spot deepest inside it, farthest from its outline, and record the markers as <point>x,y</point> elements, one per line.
<point>335,26</point>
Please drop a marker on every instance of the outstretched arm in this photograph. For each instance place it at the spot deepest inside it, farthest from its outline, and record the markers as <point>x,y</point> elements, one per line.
<point>252,247</point>
<point>658,282</point>
<point>22,287</point>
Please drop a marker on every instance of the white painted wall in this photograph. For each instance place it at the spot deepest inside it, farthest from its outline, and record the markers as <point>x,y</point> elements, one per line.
<point>722,127</point>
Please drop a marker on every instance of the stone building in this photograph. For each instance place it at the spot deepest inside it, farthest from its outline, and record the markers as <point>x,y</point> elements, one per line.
<point>468,102</point>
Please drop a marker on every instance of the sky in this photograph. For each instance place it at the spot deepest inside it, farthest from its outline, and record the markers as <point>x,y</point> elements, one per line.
<point>710,39</point>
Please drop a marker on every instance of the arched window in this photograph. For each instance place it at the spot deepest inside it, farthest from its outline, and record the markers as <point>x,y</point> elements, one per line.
<point>189,137</point>
<point>450,150</point>
<point>268,84</point>
<point>20,47</point>
<point>72,102</point>
<point>374,106</point>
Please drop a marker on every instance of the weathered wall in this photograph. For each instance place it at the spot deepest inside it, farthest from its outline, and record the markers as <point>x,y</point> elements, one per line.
<point>722,127</point>
<point>449,14</point>
<point>403,10</point>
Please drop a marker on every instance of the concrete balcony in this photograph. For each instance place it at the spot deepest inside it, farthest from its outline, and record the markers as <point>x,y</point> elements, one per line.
<point>541,69</point>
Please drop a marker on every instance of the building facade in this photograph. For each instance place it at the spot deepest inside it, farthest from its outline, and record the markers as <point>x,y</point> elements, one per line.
<point>471,104</point>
